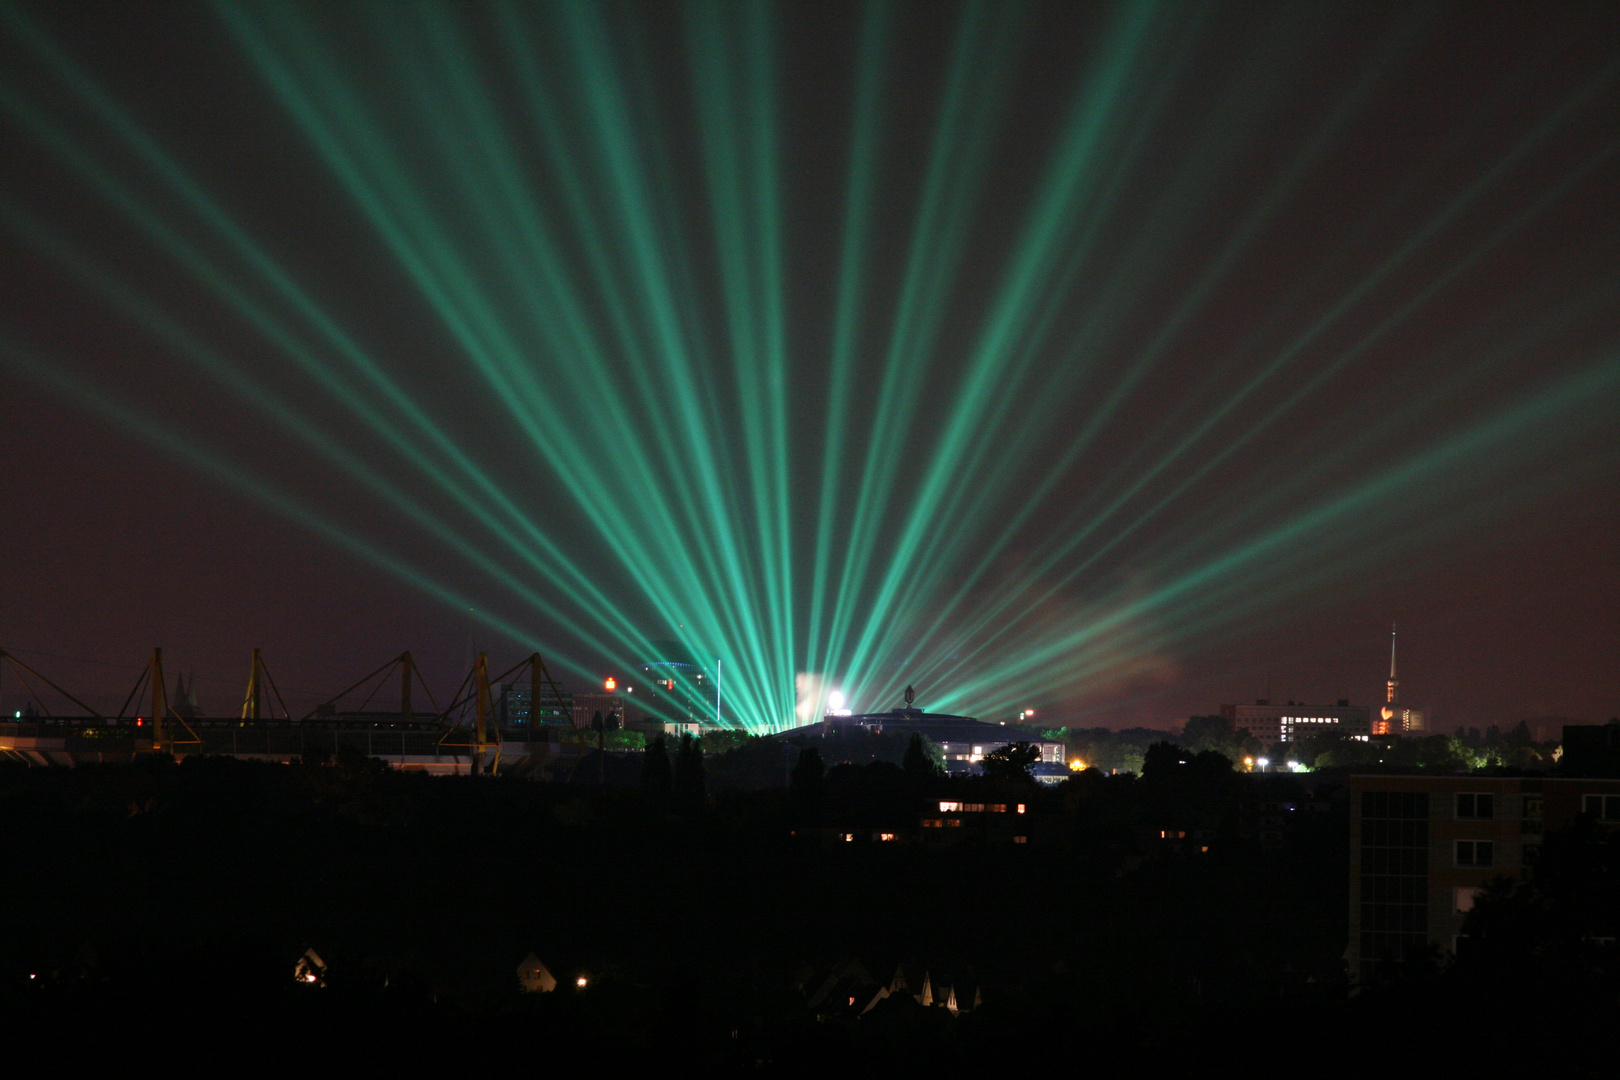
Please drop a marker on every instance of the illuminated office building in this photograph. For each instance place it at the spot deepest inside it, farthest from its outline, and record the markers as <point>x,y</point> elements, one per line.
<point>1291,720</point>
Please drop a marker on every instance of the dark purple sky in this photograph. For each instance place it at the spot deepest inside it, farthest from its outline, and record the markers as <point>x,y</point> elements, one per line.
<point>1342,313</point>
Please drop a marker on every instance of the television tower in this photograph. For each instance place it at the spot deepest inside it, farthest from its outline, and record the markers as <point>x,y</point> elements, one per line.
<point>1393,696</point>
<point>1396,720</point>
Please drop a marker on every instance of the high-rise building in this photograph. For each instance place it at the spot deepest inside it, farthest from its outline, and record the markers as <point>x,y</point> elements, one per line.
<point>607,704</point>
<point>674,686</point>
<point>556,705</point>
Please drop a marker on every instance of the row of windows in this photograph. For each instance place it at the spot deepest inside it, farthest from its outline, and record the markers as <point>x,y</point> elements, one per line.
<point>946,807</point>
<point>1394,890</point>
<point>1471,806</point>
<point>1481,806</point>
<point>1414,862</point>
<point>1395,833</point>
<point>1401,918</point>
<point>949,823</point>
<point>1387,945</point>
<point>1400,805</point>
<point>1397,861</point>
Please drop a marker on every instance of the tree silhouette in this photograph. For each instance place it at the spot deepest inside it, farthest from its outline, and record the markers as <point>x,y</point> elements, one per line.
<point>1220,734</point>
<point>918,763</point>
<point>808,771</point>
<point>808,784</point>
<point>656,782</point>
<point>689,784</point>
<point>1162,760</point>
<point>1011,762</point>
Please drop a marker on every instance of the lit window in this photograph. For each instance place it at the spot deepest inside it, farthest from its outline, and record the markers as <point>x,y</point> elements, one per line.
<point>1020,839</point>
<point>1480,853</point>
<point>949,807</point>
<point>1020,808</point>
<point>886,836</point>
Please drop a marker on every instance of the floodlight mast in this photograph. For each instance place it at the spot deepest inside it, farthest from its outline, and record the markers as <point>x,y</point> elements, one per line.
<point>160,702</point>
<point>250,703</point>
<point>22,670</point>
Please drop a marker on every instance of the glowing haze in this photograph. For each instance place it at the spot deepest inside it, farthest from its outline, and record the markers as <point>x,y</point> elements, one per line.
<point>1021,354</point>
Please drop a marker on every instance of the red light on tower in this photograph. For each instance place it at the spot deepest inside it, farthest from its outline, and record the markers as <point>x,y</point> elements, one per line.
<point>611,684</point>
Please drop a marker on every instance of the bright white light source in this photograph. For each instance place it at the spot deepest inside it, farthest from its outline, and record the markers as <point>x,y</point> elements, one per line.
<point>836,700</point>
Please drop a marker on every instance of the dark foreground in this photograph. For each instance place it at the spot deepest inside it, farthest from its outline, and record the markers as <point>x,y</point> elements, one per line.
<point>156,911</point>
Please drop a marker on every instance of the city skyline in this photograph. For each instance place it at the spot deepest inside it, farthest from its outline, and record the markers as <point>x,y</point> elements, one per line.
<point>1115,362</point>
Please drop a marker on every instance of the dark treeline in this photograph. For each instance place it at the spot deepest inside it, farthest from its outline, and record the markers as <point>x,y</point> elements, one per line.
<point>1468,748</point>
<point>1160,919</point>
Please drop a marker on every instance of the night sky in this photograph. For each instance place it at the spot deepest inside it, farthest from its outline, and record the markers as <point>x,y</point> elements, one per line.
<point>1111,361</point>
